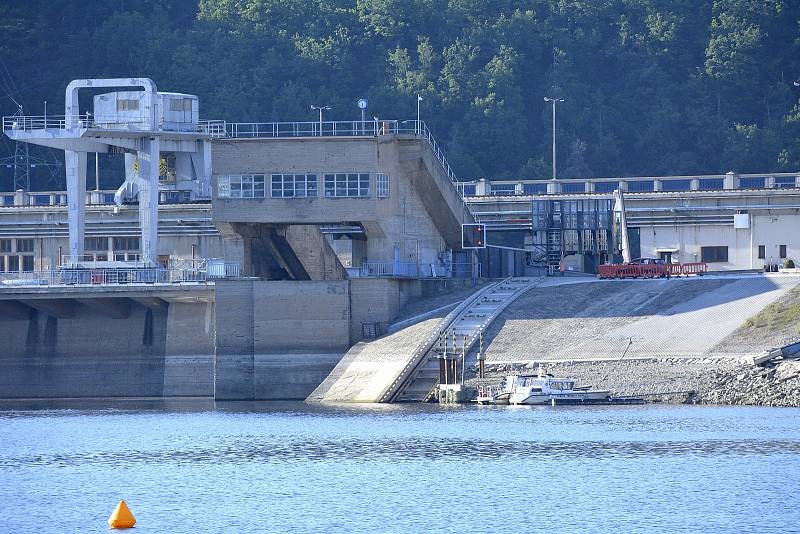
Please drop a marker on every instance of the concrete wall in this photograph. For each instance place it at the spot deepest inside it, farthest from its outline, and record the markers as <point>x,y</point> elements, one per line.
<point>768,230</point>
<point>403,220</point>
<point>280,339</point>
<point>84,351</point>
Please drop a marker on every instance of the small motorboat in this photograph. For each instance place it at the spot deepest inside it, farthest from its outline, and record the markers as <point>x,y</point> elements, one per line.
<point>540,389</point>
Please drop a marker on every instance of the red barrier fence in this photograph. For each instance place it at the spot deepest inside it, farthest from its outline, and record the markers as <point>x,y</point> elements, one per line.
<point>651,270</point>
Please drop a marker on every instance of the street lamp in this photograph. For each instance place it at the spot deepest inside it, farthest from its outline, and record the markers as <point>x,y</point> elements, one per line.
<point>419,124</point>
<point>554,100</point>
<point>321,109</point>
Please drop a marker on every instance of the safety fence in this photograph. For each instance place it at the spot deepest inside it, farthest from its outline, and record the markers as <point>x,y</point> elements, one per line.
<point>409,269</point>
<point>95,276</point>
<point>651,270</point>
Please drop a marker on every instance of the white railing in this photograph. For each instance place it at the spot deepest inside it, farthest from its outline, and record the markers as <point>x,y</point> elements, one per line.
<point>410,269</point>
<point>94,273</point>
<point>214,128</point>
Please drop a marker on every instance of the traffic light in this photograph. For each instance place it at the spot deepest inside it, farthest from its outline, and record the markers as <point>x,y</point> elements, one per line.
<point>473,235</point>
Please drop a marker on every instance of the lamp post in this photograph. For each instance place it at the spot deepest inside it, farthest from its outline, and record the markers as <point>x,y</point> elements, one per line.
<point>554,100</point>
<point>321,109</point>
<point>419,124</point>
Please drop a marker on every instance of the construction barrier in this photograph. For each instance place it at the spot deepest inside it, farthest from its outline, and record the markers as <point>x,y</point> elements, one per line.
<point>651,270</point>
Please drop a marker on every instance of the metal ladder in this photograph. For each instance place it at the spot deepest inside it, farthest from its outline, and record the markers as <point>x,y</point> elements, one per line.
<point>553,247</point>
<point>457,333</point>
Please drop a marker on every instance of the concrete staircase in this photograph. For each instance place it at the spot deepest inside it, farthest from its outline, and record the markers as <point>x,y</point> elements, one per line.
<point>456,334</point>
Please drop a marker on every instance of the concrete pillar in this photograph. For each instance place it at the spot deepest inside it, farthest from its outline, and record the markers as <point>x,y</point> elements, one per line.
<point>694,184</point>
<point>148,198</point>
<point>75,164</point>
<point>553,187</point>
<point>731,180</point>
<point>658,185</point>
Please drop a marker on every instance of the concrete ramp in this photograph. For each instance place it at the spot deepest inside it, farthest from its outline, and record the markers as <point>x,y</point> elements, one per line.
<point>367,370</point>
<point>677,318</point>
<point>403,366</point>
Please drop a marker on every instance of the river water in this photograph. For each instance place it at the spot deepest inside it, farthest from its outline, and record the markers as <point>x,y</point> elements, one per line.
<point>292,467</point>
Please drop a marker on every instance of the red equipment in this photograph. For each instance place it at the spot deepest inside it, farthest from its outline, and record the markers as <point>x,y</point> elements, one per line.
<point>651,270</point>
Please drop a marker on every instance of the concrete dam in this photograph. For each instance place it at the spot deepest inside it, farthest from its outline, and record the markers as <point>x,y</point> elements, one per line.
<point>327,260</point>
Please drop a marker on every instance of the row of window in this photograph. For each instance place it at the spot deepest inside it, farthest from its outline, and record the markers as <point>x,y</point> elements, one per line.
<point>95,244</point>
<point>16,263</point>
<point>720,254</point>
<point>16,245</point>
<point>762,252</point>
<point>302,185</point>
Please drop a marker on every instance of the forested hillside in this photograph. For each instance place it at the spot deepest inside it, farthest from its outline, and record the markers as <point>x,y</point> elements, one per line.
<point>651,87</point>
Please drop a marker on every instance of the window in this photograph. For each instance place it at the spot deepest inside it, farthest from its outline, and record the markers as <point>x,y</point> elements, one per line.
<point>605,187</point>
<point>5,245</point>
<point>41,200</point>
<point>175,197</point>
<point>785,182</point>
<point>27,264</point>
<point>782,251</point>
<point>180,104</point>
<point>641,186</point>
<point>95,244</point>
<point>241,186</point>
<point>676,185</point>
<point>468,190</point>
<point>347,185</point>
<point>8,200</point>
<point>24,245</point>
<point>504,189</point>
<point>710,184</point>
<point>762,252</point>
<point>751,183</point>
<point>382,185</point>
<point>572,187</point>
<point>13,264</point>
<point>125,104</point>
<point>714,254</point>
<point>126,243</point>
<point>534,189</point>
<point>294,185</point>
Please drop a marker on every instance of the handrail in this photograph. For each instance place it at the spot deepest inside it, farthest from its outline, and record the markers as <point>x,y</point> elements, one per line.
<point>422,351</point>
<point>214,128</point>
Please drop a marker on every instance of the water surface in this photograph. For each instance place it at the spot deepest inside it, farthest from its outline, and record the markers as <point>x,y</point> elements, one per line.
<point>292,467</point>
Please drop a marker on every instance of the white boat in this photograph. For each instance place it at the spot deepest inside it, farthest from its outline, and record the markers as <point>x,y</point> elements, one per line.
<point>540,389</point>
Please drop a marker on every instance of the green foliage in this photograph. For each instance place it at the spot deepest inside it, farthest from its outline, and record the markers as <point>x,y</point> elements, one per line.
<point>779,315</point>
<point>650,86</point>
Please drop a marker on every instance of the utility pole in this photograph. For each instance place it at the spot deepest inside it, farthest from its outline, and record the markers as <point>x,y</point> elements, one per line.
<point>554,100</point>
<point>321,109</point>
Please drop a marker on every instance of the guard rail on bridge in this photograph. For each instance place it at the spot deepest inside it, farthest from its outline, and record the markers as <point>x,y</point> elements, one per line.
<point>88,275</point>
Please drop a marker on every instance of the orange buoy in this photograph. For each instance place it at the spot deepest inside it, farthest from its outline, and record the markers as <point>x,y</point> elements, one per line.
<point>121,517</point>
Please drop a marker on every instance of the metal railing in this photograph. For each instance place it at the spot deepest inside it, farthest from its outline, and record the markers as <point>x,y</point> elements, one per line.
<point>410,269</point>
<point>214,128</point>
<point>93,273</point>
<point>372,128</point>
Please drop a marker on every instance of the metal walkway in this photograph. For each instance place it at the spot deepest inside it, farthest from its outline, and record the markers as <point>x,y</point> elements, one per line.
<point>456,333</point>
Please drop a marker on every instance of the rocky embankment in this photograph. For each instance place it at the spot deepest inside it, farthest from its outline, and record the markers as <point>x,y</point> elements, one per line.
<point>696,380</point>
